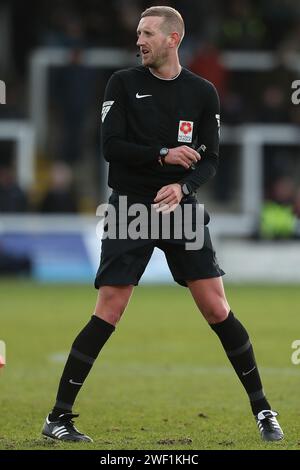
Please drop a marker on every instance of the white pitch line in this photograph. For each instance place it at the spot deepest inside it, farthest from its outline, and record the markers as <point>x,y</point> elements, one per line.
<point>59,357</point>
<point>178,369</point>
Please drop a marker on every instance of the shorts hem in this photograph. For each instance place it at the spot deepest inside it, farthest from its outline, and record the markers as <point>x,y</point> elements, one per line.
<point>97,285</point>
<point>182,282</point>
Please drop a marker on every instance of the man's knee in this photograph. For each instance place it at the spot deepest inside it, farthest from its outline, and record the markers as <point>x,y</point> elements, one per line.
<point>112,301</point>
<point>216,311</point>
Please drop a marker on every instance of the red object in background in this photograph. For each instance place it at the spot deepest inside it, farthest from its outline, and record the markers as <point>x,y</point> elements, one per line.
<point>207,64</point>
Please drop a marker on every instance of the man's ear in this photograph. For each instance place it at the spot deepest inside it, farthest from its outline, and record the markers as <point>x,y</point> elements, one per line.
<point>174,39</point>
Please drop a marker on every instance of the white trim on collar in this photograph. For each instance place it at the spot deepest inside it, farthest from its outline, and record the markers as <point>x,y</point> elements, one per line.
<point>166,79</point>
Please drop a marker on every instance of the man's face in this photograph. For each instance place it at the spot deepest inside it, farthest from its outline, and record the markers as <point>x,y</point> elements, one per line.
<point>153,43</point>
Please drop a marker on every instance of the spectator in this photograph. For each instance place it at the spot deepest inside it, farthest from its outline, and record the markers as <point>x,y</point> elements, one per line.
<point>243,27</point>
<point>274,107</point>
<point>277,217</point>
<point>12,198</point>
<point>12,264</point>
<point>297,203</point>
<point>60,198</point>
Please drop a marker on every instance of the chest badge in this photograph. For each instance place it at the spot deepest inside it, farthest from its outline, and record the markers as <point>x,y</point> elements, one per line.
<point>185,131</point>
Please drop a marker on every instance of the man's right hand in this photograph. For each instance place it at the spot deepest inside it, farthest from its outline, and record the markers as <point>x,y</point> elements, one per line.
<point>183,156</point>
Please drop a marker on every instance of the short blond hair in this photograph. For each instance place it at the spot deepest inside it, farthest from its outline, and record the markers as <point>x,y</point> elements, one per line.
<point>173,20</point>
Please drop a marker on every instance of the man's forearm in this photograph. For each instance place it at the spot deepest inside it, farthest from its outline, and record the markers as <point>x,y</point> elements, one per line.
<point>203,172</point>
<point>119,150</point>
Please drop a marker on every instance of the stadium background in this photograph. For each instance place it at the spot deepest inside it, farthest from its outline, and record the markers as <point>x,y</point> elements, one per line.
<point>55,59</point>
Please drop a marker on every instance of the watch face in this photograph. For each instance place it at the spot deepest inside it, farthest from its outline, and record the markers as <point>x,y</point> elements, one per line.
<point>185,190</point>
<point>164,152</point>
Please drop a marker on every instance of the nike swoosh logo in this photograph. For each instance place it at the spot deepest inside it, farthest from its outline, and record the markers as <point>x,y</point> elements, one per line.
<point>141,96</point>
<point>74,383</point>
<point>246,373</point>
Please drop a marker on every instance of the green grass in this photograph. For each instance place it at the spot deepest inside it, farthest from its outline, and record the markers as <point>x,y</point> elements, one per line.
<point>161,382</point>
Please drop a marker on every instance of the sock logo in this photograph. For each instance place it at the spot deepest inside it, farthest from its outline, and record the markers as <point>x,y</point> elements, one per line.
<point>74,383</point>
<point>248,372</point>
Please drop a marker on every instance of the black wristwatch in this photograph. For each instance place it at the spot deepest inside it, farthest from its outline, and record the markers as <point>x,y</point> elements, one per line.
<point>162,155</point>
<point>186,189</point>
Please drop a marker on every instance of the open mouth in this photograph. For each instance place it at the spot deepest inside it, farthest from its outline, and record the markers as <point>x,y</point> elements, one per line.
<point>145,52</point>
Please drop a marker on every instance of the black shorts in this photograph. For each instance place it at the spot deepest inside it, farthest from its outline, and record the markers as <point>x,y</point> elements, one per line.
<point>123,261</point>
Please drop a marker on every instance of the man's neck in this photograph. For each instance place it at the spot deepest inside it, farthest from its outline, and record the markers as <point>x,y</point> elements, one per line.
<point>167,72</point>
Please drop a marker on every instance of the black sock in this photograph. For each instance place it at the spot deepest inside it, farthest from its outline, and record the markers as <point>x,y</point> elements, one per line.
<point>56,412</point>
<point>84,351</point>
<point>238,348</point>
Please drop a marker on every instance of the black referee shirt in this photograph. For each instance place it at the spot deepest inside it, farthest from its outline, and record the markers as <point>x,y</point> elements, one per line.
<point>142,113</point>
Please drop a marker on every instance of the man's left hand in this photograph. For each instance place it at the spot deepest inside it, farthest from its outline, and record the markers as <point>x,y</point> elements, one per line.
<point>168,198</point>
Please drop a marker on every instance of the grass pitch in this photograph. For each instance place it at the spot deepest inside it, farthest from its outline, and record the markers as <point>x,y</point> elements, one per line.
<point>161,382</point>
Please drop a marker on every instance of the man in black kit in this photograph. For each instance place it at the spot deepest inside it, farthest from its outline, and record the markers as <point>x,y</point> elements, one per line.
<point>153,118</point>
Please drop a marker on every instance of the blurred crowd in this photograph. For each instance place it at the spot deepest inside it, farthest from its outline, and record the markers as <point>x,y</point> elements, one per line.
<point>75,91</point>
<point>234,24</point>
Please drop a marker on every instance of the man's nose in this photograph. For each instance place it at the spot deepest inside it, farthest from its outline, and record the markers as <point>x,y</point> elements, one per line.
<point>139,41</point>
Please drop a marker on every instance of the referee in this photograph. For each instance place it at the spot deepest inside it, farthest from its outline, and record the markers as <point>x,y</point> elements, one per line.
<point>153,118</point>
